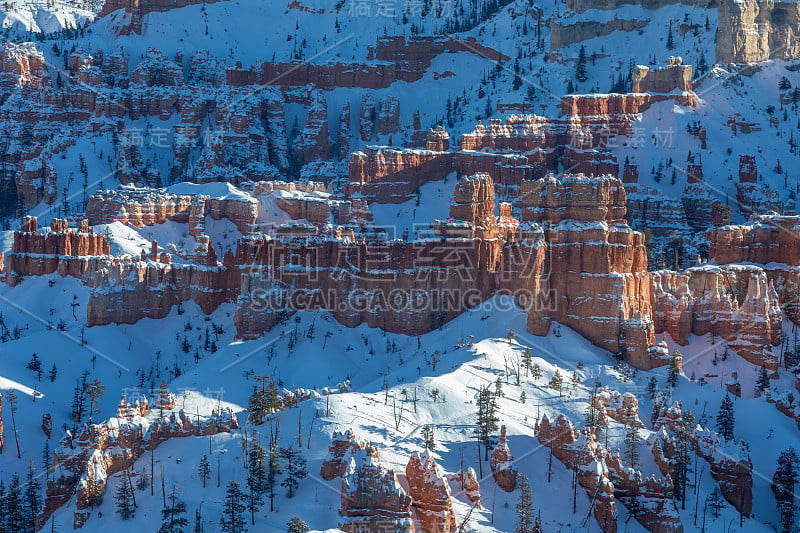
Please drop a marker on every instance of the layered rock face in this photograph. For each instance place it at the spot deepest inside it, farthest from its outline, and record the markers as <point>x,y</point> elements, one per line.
<point>735,302</point>
<point>83,463</point>
<point>399,285</point>
<point>562,35</point>
<point>729,462</point>
<point>674,77</point>
<point>430,493</point>
<point>141,207</point>
<point>127,291</point>
<point>592,250</point>
<point>69,252</point>
<point>395,58</point>
<point>584,5</point>
<point>524,147</point>
<point>755,30</point>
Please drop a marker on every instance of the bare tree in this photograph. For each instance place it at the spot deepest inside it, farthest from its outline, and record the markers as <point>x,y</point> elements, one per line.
<point>12,403</point>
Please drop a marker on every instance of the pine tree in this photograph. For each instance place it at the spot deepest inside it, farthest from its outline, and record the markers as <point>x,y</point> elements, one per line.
<point>783,486</point>
<point>13,505</point>
<point>204,470</point>
<point>487,419</point>
<point>580,65</point>
<point>762,383</point>
<point>594,416</point>
<point>295,469</point>
<point>95,391</point>
<point>652,387</point>
<point>498,388</point>
<point>427,436</point>
<point>256,477</point>
<point>53,373</point>
<point>32,504</point>
<point>725,418</point>
<point>682,464</point>
<point>172,515</point>
<point>295,525</point>
<point>632,441</point>
<point>716,502</point>
<point>123,500</point>
<point>232,519</point>
<point>273,469</point>
<point>673,372</point>
<point>670,38</point>
<point>536,371</point>
<point>556,382</point>
<point>198,522</point>
<point>527,360</point>
<point>525,512</point>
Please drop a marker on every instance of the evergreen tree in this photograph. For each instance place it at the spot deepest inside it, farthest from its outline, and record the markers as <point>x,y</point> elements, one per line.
<point>172,515</point>
<point>487,419</point>
<point>525,518</point>
<point>580,65</point>
<point>783,486</point>
<point>632,441</point>
<point>784,83</point>
<point>556,382</point>
<point>716,502</point>
<point>123,500</point>
<point>670,38</point>
<point>673,372</point>
<point>35,366</point>
<point>232,519</point>
<point>32,504</point>
<point>95,391</point>
<point>682,460</point>
<point>256,477</point>
<point>198,522</point>
<point>53,373</point>
<point>13,505</point>
<point>204,470</point>
<point>594,416</point>
<point>295,469</point>
<point>725,418</point>
<point>527,360</point>
<point>295,525</point>
<point>762,383</point>
<point>498,388</point>
<point>427,436</point>
<point>273,469</point>
<point>536,371</point>
<point>652,387</point>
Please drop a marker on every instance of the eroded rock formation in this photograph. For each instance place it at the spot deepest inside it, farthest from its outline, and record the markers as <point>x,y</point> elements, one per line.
<point>430,493</point>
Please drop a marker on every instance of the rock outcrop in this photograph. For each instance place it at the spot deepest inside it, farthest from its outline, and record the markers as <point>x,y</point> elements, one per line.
<point>502,464</point>
<point>70,252</point>
<point>605,478</point>
<point>141,207</point>
<point>729,462</point>
<point>756,30</point>
<point>83,463</point>
<point>430,493</point>
<point>737,303</point>
<point>372,498</point>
